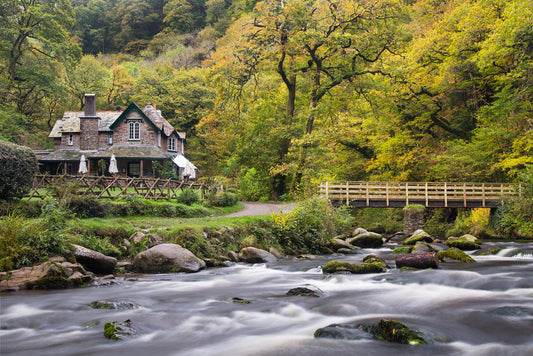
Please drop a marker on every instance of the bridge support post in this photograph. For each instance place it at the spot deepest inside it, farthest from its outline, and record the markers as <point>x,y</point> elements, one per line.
<point>413,218</point>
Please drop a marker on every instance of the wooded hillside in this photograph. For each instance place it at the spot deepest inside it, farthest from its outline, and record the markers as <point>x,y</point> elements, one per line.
<point>278,95</point>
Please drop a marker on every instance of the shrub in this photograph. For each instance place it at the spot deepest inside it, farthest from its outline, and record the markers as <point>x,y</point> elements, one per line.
<point>253,186</point>
<point>221,199</point>
<point>19,165</point>
<point>188,197</point>
<point>310,225</point>
<point>23,243</point>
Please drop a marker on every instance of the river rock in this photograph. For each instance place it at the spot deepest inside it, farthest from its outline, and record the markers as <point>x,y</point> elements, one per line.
<point>256,255</point>
<point>465,242</point>
<point>94,261</point>
<point>233,256</point>
<point>422,247</point>
<point>418,235</point>
<point>137,237</point>
<point>53,274</point>
<point>345,267</point>
<point>359,231</point>
<point>166,258</point>
<point>305,292</point>
<point>338,243</point>
<point>366,240</point>
<point>454,254</point>
<point>116,330</point>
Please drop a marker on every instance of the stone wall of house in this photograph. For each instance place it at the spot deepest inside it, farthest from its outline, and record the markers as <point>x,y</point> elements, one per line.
<point>76,141</point>
<point>148,134</point>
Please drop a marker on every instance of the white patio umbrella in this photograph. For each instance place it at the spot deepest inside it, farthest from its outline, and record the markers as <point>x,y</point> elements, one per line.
<point>189,170</point>
<point>83,165</point>
<point>113,165</point>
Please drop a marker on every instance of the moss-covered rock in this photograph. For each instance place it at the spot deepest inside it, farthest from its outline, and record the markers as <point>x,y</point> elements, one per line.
<point>116,330</point>
<point>346,267</point>
<point>394,331</point>
<point>385,329</point>
<point>463,245</point>
<point>490,251</point>
<point>418,235</point>
<point>454,254</point>
<point>366,240</point>
<point>109,304</point>
<point>403,249</point>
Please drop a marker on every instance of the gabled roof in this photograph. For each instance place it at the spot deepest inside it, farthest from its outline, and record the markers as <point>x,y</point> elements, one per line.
<point>70,122</point>
<point>133,107</point>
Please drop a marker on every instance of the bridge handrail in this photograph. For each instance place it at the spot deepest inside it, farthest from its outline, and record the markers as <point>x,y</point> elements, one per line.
<point>418,191</point>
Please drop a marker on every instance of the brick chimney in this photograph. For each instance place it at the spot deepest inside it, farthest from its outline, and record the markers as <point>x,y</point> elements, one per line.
<point>89,125</point>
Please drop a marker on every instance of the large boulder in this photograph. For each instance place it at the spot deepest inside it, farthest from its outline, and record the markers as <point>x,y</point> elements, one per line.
<point>366,240</point>
<point>465,242</point>
<point>371,264</point>
<point>94,261</point>
<point>166,258</point>
<point>256,255</point>
<point>418,235</point>
<point>56,273</point>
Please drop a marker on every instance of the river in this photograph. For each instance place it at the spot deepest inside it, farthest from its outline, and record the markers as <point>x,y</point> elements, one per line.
<point>485,308</point>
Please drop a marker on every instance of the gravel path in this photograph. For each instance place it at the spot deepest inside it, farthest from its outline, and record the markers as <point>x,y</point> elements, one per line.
<point>253,208</point>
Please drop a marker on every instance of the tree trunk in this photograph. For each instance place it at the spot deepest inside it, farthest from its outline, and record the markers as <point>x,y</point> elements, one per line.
<point>417,260</point>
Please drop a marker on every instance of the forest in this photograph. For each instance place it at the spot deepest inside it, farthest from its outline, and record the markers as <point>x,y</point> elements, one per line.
<point>278,95</point>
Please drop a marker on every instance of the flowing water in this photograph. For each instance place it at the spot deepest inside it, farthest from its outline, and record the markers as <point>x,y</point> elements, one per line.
<point>484,308</point>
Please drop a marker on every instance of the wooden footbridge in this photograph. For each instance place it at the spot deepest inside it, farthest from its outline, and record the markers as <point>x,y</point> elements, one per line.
<point>435,195</point>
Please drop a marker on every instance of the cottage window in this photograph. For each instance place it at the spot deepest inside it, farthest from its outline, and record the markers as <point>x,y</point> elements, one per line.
<point>172,144</point>
<point>134,130</point>
<point>70,139</point>
<point>110,139</point>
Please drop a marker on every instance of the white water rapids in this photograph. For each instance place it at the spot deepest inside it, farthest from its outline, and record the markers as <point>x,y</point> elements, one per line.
<point>484,308</point>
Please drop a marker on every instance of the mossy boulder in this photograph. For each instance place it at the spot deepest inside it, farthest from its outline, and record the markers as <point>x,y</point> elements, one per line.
<point>366,240</point>
<point>394,331</point>
<point>418,235</point>
<point>114,305</point>
<point>454,254</point>
<point>168,258</point>
<point>94,261</point>
<point>466,242</point>
<point>385,329</point>
<point>337,243</point>
<point>305,292</point>
<point>403,249</point>
<point>256,255</point>
<point>370,266</point>
<point>422,247</point>
<point>116,330</point>
<point>56,273</point>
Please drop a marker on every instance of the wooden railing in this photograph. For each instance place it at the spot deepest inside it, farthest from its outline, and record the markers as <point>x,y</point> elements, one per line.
<point>110,187</point>
<point>399,194</point>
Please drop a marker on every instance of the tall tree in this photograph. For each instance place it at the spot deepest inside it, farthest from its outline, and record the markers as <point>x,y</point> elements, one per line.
<point>34,46</point>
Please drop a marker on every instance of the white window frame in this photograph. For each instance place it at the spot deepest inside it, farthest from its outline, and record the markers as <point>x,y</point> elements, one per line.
<point>134,130</point>
<point>172,144</point>
<point>70,139</point>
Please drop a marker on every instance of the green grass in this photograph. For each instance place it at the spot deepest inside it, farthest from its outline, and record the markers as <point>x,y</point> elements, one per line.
<point>135,223</point>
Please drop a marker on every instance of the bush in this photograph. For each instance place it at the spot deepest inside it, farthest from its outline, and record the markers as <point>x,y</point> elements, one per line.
<point>19,165</point>
<point>24,243</point>
<point>221,199</point>
<point>309,227</point>
<point>253,187</point>
<point>188,197</point>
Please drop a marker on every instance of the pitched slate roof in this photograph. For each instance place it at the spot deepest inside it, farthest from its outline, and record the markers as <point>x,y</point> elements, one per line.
<point>70,122</point>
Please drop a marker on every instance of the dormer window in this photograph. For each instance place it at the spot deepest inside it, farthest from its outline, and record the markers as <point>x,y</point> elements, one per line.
<point>70,139</point>
<point>172,143</point>
<point>134,130</point>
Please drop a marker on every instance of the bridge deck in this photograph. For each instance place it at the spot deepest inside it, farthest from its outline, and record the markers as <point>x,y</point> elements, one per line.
<point>400,194</point>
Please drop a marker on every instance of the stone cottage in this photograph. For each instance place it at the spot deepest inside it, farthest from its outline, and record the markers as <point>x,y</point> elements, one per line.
<point>137,138</point>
